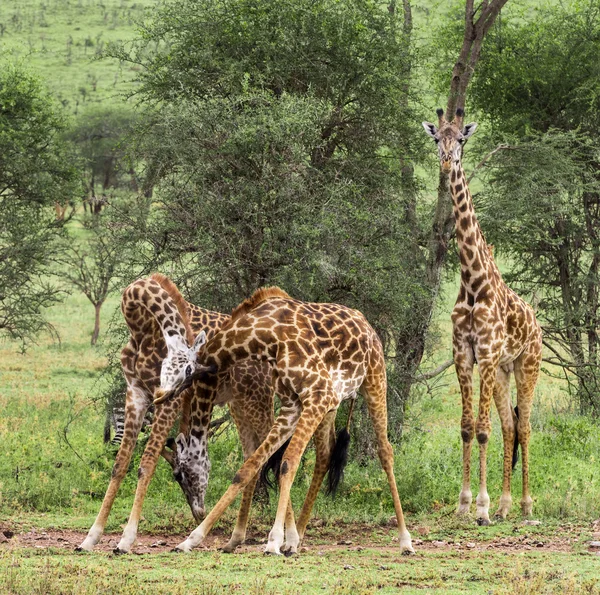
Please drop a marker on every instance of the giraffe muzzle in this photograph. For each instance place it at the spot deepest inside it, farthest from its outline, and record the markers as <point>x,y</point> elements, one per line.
<point>446,166</point>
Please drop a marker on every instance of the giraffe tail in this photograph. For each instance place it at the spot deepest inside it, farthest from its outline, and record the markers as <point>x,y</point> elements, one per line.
<point>338,461</point>
<point>273,466</point>
<point>339,456</point>
<point>515,456</point>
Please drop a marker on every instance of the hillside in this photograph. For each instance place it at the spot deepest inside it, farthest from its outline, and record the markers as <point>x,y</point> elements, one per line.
<point>60,40</point>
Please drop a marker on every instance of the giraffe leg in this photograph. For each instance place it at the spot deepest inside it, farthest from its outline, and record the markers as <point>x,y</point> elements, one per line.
<point>324,438</point>
<point>374,390</point>
<point>483,428</point>
<point>136,405</point>
<point>280,432</point>
<point>250,443</point>
<point>463,362</point>
<point>505,412</point>
<point>164,418</point>
<point>527,369</point>
<point>307,424</point>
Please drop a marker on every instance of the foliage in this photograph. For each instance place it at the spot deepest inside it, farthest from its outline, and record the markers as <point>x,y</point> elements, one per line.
<point>273,149</point>
<point>94,263</point>
<point>100,137</point>
<point>36,170</point>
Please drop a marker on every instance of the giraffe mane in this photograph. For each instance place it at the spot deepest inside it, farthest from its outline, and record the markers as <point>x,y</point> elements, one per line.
<point>260,295</point>
<point>179,301</point>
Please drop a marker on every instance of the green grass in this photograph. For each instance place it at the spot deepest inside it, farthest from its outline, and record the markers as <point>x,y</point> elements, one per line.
<point>61,39</point>
<point>347,572</point>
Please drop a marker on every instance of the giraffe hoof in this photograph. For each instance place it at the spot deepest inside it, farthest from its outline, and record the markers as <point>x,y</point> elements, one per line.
<point>272,553</point>
<point>119,552</point>
<point>228,550</point>
<point>483,522</point>
<point>289,553</point>
<point>407,552</point>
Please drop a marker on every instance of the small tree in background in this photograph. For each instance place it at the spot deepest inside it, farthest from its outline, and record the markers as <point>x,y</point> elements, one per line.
<point>93,263</point>
<point>37,170</point>
<point>100,137</point>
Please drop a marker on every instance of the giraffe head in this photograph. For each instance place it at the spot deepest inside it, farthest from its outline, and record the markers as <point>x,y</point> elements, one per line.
<point>450,137</point>
<point>191,467</point>
<point>180,362</point>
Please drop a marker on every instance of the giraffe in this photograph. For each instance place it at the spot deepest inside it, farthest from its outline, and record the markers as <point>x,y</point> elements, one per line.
<point>492,327</point>
<point>161,352</point>
<point>321,354</point>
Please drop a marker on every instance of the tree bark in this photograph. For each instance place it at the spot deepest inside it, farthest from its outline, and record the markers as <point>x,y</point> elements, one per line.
<point>96,332</point>
<point>478,21</point>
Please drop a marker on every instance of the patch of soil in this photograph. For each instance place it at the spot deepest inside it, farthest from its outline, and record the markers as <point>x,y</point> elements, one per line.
<point>355,538</point>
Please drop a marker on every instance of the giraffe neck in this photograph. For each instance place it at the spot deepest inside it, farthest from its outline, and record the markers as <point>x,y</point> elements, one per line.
<point>147,312</point>
<point>476,262</point>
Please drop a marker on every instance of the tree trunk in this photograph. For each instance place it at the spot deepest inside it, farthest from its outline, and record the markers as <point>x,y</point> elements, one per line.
<point>410,346</point>
<point>96,332</point>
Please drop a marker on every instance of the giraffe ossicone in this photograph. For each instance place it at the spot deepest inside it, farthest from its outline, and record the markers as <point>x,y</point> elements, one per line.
<point>492,327</point>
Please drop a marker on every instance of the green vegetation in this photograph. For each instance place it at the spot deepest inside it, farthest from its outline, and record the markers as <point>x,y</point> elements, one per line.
<point>61,39</point>
<point>277,145</point>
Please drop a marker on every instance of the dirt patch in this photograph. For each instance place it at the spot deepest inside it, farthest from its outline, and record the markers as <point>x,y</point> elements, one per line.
<point>354,539</point>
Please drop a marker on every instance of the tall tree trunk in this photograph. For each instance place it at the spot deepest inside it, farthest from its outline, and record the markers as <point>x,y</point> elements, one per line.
<point>96,333</point>
<point>411,345</point>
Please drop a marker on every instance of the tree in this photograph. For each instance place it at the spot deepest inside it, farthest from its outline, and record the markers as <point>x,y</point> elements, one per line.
<point>274,150</point>
<point>100,136</point>
<point>92,264</point>
<point>37,170</point>
<point>538,82</point>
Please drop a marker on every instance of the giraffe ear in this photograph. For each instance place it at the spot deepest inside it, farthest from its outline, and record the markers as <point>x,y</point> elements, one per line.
<point>199,341</point>
<point>430,129</point>
<point>469,129</point>
<point>175,342</point>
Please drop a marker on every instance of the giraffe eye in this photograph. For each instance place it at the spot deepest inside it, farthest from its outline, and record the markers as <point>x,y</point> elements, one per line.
<point>436,140</point>
<point>461,141</point>
<point>188,371</point>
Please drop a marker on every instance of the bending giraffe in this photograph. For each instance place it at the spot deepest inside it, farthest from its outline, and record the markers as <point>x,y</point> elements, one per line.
<point>321,355</point>
<point>161,352</point>
<point>493,327</point>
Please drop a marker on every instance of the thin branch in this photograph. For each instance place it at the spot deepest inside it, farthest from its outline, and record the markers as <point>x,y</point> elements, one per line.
<point>435,372</point>
<point>486,159</point>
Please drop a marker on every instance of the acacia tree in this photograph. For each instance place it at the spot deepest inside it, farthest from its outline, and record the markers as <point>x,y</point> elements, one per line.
<point>92,265</point>
<point>100,137</point>
<point>37,170</point>
<point>275,152</point>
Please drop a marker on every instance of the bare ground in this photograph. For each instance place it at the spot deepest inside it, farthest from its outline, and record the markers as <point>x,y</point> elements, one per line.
<point>355,538</point>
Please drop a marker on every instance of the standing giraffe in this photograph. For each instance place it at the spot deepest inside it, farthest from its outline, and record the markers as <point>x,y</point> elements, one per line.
<point>321,354</point>
<point>161,352</point>
<point>493,327</point>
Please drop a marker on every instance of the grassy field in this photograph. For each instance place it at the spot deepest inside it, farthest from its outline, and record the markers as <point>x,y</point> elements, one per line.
<point>60,40</point>
<point>55,470</point>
